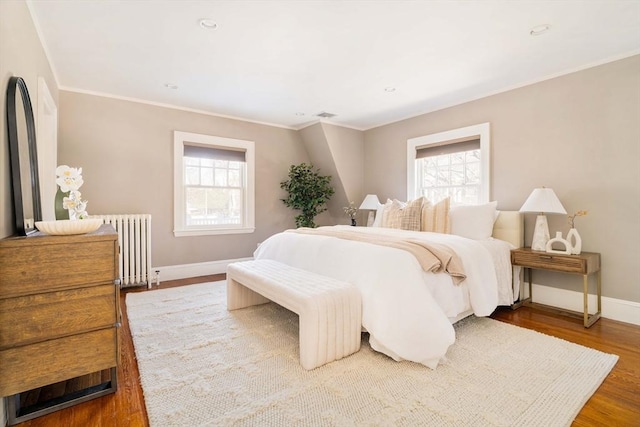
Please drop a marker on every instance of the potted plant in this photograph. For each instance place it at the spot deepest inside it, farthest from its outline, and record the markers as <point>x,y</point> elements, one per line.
<point>308,191</point>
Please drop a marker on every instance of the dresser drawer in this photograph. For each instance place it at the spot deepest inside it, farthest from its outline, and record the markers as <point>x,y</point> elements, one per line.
<point>50,267</point>
<point>56,360</point>
<point>583,264</point>
<point>32,318</point>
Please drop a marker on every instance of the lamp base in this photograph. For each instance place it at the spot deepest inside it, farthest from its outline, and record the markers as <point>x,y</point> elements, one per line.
<point>370,219</point>
<point>540,234</point>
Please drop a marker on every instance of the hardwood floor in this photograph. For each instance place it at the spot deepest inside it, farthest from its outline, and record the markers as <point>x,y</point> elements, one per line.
<point>615,403</point>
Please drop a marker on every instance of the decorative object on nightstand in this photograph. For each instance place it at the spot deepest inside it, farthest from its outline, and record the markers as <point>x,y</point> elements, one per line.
<point>351,212</point>
<point>559,239</point>
<point>370,203</point>
<point>542,200</point>
<point>573,237</point>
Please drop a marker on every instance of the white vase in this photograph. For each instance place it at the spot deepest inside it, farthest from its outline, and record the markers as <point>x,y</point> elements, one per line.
<point>559,239</point>
<point>576,242</point>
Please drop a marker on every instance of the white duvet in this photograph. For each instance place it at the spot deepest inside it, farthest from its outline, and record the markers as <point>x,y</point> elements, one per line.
<point>406,310</point>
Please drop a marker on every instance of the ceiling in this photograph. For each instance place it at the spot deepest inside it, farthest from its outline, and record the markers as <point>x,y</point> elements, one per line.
<point>283,62</point>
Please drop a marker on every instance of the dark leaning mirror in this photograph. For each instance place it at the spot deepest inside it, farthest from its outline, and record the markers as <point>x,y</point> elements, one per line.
<point>23,157</point>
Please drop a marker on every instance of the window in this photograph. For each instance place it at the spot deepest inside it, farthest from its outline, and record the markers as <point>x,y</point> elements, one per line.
<point>453,163</point>
<point>214,185</point>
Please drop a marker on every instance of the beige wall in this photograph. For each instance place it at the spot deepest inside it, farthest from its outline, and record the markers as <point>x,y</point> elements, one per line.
<point>126,152</point>
<point>315,142</point>
<point>578,134</point>
<point>339,152</point>
<point>347,150</point>
<point>21,54</point>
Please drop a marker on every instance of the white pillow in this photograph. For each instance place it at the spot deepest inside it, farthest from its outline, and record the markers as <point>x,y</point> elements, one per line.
<point>377,222</point>
<point>473,222</point>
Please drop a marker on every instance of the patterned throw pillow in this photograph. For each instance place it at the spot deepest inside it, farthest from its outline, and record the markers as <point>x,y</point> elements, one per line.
<point>403,216</point>
<point>435,218</point>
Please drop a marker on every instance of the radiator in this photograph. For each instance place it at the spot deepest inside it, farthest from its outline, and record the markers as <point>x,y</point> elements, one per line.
<point>134,239</point>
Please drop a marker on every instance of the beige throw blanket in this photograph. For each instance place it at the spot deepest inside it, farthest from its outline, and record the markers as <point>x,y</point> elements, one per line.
<point>433,257</point>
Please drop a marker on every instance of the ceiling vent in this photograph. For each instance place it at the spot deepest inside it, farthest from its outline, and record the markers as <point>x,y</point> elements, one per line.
<point>325,115</point>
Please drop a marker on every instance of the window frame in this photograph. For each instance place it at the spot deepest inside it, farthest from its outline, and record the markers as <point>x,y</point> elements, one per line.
<point>247,225</point>
<point>481,131</point>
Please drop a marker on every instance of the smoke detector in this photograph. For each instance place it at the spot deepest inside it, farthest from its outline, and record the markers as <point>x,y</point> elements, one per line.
<point>325,115</point>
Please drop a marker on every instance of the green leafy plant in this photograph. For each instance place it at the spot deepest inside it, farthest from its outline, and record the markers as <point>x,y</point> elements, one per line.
<point>308,191</point>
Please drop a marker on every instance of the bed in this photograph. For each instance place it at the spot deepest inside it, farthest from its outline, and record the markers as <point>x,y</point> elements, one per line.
<point>409,312</point>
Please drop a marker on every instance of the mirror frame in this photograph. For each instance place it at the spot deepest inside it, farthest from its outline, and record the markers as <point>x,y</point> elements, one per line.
<point>23,227</point>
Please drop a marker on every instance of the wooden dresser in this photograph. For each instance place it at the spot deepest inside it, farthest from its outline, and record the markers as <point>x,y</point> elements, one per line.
<point>59,310</point>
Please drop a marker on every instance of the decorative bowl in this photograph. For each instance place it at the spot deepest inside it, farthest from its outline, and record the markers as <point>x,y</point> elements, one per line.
<point>69,226</point>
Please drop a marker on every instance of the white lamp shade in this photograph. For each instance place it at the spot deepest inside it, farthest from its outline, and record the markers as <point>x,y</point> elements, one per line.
<point>543,200</point>
<point>370,202</point>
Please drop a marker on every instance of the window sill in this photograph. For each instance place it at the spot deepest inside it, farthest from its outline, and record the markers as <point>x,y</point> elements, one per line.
<point>211,232</point>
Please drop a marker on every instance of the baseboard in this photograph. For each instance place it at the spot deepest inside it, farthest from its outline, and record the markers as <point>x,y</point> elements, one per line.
<point>184,271</point>
<point>612,308</point>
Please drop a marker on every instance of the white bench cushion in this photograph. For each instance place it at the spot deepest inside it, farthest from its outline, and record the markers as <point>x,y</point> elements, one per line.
<point>330,310</point>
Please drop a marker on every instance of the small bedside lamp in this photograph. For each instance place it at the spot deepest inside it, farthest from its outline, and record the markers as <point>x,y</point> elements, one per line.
<point>370,203</point>
<point>542,200</point>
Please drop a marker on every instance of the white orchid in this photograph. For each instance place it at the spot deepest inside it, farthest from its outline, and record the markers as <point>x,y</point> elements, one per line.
<point>70,180</point>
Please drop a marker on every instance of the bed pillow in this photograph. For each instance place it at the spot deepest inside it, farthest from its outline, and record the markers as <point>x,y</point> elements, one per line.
<point>377,222</point>
<point>405,216</point>
<point>435,218</point>
<point>473,222</point>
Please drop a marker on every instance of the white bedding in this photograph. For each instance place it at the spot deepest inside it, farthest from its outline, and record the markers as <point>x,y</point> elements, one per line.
<point>406,310</point>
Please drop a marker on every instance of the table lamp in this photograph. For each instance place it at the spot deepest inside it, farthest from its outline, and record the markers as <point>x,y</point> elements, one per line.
<point>542,200</point>
<point>370,203</point>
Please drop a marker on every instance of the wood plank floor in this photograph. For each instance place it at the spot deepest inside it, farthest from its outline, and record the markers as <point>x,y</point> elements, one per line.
<point>615,403</point>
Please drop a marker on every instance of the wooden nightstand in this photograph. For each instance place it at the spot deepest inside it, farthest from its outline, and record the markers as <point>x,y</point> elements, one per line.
<point>586,264</point>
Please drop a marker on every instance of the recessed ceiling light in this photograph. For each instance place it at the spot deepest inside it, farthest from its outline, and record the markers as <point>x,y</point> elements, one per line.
<point>539,29</point>
<point>390,89</point>
<point>299,114</point>
<point>208,24</point>
<point>170,86</point>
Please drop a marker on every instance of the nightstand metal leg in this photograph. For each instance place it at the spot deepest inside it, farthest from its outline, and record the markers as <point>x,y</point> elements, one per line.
<point>585,281</point>
<point>591,319</point>
<point>599,290</point>
<point>521,298</point>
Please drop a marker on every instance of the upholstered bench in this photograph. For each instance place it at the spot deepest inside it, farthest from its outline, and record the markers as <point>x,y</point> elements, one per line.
<point>330,310</point>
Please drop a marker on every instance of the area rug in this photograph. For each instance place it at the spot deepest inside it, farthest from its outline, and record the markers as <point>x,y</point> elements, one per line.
<point>201,365</point>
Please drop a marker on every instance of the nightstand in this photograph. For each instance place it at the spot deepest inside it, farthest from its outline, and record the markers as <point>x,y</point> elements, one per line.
<point>586,264</point>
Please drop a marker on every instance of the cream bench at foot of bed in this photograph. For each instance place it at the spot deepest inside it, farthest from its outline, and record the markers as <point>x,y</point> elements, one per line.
<point>330,311</point>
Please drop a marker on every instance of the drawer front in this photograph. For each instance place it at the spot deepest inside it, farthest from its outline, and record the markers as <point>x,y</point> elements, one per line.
<point>34,318</point>
<point>48,362</point>
<point>44,268</point>
<point>548,261</point>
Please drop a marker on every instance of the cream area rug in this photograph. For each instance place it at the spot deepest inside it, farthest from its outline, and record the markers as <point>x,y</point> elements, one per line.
<point>201,365</point>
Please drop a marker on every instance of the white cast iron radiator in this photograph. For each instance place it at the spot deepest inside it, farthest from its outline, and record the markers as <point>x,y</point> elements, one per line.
<point>134,238</point>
